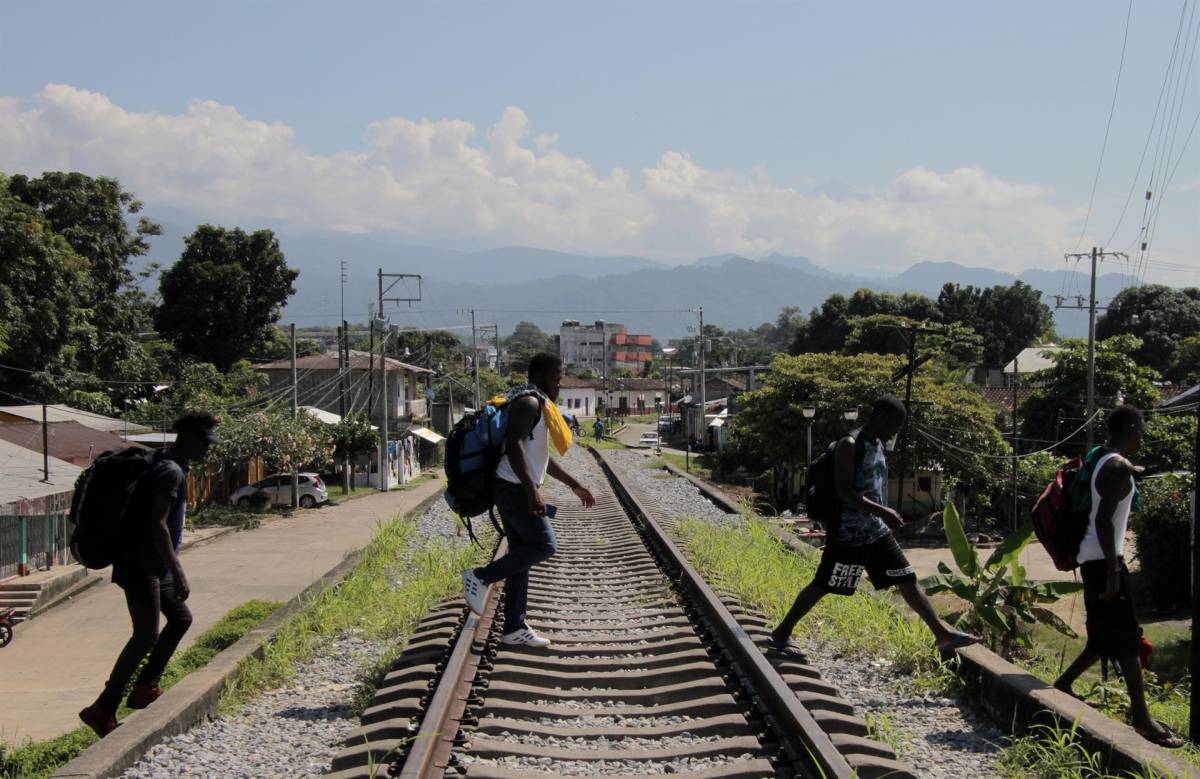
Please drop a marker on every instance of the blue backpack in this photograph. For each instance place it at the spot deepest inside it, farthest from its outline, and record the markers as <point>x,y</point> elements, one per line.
<point>473,450</point>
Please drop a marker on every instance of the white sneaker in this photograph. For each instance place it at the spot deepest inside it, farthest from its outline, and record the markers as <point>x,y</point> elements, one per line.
<point>476,591</point>
<point>526,637</point>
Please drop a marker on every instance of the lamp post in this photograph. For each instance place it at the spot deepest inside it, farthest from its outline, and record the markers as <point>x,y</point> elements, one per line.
<point>810,411</point>
<point>850,415</point>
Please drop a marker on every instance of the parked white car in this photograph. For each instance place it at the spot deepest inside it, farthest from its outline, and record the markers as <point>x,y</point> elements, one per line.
<point>278,488</point>
<point>649,439</point>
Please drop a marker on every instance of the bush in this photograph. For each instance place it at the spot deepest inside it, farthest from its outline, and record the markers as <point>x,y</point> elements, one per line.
<point>1162,528</point>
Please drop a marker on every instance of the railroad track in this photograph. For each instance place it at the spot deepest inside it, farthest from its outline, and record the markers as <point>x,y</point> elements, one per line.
<point>650,673</point>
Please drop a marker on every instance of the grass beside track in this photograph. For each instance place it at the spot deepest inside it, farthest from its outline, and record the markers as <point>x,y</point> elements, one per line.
<point>396,581</point>
<point>751,561</point>
<point>766,575</point>
<point>42,758</point>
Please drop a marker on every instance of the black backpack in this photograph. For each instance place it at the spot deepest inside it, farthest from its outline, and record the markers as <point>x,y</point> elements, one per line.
<point>103,496</point>
<point>821,500</point>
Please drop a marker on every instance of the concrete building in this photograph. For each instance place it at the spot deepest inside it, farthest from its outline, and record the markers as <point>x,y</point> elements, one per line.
<point>582,346</point>
<point>578,397</point>
<point>318,385</point>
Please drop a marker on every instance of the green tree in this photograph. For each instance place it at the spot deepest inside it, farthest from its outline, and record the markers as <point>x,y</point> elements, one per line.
<point>1007,317</point>
<point>202,386</point>
<point>491,384</point>
<point>956,430</point>
<point>94,216</point>
<point>1159,316</point>
<point>437,349</point>
<point>40,277</point>
<point>526,340</point>
<point>1185,363</point>
<point>956,344</point>
<point>284,443</point>
<point>1062,388</point>
<point>353,436</point>
<point>221,299</point>
<point>831,325</point>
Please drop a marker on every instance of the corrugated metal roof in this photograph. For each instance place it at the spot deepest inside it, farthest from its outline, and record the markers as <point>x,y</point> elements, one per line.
<point>61,413</point>
<point>1033,358</point>
<point>68,441</point>
<point>21,474</point>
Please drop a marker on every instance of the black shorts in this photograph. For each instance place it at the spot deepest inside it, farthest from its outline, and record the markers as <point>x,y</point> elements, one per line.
<point>882,560</point>
<point>1112,626</point>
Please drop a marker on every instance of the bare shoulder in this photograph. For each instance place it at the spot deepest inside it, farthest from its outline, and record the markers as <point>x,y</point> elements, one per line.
<point>1115,475</point>
<point>526,403</point>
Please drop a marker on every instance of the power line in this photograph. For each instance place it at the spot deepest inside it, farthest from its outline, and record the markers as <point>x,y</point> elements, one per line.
<point>1107,126</point>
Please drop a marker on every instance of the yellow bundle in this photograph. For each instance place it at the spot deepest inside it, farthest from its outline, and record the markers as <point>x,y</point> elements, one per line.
<point>556,426</point>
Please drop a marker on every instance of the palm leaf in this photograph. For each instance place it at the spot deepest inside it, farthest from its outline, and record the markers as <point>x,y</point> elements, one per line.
<point>963,550</point>
<point>1011,547</point>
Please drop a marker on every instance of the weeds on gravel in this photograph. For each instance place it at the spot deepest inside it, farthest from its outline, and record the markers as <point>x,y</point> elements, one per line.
<point>1057,752</point>
<point>394,584</point>
<point>35,759</point>
<point>881,728</point>
<point>765,575</point>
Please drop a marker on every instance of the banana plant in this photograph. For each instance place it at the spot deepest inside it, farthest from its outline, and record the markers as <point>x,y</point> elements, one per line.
<point>1001,600</point>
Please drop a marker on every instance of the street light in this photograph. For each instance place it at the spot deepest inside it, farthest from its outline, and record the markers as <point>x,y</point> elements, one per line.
<point>809,411</point>
<point>850,415</point>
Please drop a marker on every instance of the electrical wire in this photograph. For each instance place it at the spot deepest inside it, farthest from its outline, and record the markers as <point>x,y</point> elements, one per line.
<point>1107,126</point>
<point>920,429</point>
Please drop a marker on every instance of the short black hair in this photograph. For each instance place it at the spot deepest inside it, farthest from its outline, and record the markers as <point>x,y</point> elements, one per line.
<point>542,362</point>
<point>194,422</point>
<point>889,406</point>
<point>1123,418</point>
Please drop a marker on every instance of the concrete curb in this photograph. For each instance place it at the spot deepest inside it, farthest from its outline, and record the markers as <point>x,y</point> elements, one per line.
<point>726,503</point>
<point>1017,700</point>
<point>80,584</point>
<point>196,697</point>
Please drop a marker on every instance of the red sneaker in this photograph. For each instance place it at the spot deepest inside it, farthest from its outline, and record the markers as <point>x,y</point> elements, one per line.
<point>98,720</point>
<point>142,695</point>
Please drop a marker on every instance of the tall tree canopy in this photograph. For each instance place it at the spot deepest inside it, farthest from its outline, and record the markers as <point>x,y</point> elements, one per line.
<point>1159,316</point>
<point>1008,318</point>
<point>830,326</point>
<point>93,217</point>
<point>526,340</point>
<point>39,280</point>
<point>221,299</point>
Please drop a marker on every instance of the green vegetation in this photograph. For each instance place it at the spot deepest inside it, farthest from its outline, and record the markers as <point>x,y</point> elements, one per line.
<point>1002,603</point>
<point>1055,752</point>
<point>603,443</point>
<point>696,464</point>
<point>755,565</point>
<point>1163,531</point>
<point>35,759</point>
<point>392,586</point>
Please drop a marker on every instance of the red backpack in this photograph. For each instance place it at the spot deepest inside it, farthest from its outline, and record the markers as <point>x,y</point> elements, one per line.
<point>1060,525</point>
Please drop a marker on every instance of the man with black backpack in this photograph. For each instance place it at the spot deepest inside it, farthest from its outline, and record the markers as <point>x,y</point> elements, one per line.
<point>533,421</point>
<point>1113,632</point>
<point>859,532</point>
<point>147,568</point>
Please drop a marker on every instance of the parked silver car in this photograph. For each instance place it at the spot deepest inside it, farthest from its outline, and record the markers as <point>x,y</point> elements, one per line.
<point>278,489</point>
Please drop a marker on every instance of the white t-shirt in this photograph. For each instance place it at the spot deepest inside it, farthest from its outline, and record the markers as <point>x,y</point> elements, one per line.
<point>1090,549</point>
<point>537,456</point>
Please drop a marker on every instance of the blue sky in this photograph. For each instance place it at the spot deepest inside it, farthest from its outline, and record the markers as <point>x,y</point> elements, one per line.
<point>833,101</point>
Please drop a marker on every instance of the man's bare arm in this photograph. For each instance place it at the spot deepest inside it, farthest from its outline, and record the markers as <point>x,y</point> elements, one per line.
<point>1113,483</point>
<point>560,473</point>
<point>164,545</point>
<point>522,418</point>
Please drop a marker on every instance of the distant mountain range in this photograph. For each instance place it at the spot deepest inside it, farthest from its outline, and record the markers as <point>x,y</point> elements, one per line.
<point>511,284</point>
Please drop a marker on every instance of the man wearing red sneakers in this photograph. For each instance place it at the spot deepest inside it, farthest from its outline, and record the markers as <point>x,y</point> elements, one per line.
<point>148,570</point>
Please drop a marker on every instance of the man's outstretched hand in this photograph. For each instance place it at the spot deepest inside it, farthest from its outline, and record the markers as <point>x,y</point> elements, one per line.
<point>584,495</point>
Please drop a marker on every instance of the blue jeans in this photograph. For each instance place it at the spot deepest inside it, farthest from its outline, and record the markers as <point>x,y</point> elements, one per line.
<point>530,541</point>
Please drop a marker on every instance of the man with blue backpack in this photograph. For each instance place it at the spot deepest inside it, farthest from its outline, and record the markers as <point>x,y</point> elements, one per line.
<point>848,491</point>
<point>533,422</point>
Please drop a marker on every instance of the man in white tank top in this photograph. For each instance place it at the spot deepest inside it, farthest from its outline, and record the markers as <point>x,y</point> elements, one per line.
<point>1113,632</point>
<point>517,494</point>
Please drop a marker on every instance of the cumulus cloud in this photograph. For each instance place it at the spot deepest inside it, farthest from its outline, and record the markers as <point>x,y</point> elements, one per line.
<point>444,181</point>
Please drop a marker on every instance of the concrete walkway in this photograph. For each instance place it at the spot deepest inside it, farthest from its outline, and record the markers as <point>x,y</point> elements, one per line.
<point>58,662</point>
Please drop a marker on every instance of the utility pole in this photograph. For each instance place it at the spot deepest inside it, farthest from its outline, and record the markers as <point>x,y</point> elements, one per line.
<point>1096,256</point>
<point>703,385</point>
<point>1194,716</point>
<point>604,365</point>
<point>344,366</point>
<point>396,278</point>
<point>1016,378</point>
<point>910,370</point>
<point>45,445</point>
<point>295,413</point>
<point>475,358</point>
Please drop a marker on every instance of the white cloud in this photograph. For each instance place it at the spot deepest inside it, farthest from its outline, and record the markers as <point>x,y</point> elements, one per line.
<point>444,181</point>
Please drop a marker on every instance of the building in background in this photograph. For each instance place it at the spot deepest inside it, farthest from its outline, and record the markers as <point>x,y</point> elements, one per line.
<point>589,346</point>
<point>318,385</point>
